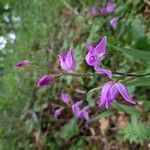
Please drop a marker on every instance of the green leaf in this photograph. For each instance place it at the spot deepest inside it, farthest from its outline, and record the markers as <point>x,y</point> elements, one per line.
<point>135,53</point>
<point>100,116</point>
<point>139,82</point>
<point>125,108</point>
<point>137,29</point>
<point>70,129</point>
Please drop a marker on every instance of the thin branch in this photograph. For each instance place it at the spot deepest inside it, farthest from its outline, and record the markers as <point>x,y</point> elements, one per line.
<point>96,74</point>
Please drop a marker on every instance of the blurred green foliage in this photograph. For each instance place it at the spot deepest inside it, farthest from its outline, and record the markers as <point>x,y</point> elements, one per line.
<point>45,28</point>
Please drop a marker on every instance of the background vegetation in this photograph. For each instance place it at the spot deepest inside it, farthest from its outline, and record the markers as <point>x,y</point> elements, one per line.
<point>43,29</point>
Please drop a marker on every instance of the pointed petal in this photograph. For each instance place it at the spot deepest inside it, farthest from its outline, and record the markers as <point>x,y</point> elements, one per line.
<point>101,47</point>
<point>103,11</point>
<point>124,92</point>
<point>90,48</point>
<point>110,8</point>
<point>58,112</point>
<point>23,63</point>
<point>70,60</point>
<point>65,97</point>
<point>62,61</point>
<point>104,93</point>
<point>103,71</point>
<point>44,80</point>
<point>94,11</point>
<point>114,22</point>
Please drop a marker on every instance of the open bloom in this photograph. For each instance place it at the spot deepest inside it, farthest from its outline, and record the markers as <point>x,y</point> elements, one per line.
<point>110,8</point>
<point>94,11</point>
<point>65,97</point>
<point>67,62</point>
<point>96,54</point>
<point>83,113</point>
<point>80,113</point>
<point>23,64</point>
<point>114,22</point>
<point>44,80</point>
<point>110,92</point>
<point>58,112</point>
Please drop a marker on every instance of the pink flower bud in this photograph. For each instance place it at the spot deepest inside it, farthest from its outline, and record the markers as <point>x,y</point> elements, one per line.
<point>67,61</point>
<point>45,80</point>
<point>23,64</point>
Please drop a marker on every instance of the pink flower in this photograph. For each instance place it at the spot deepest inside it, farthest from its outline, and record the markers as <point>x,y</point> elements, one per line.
<point>65,97</point>
<point>67,62</point>
<point>114,22</point>
<point>58,112</point>
<point>44,80</point>
<point>96,54</point>
<point>110,8</point>
<point>80,113</point>
<point>23,64</point>
<point>75,107</point>
<point>84,113</point>
<point>94,11</point>
<point>110,92</point>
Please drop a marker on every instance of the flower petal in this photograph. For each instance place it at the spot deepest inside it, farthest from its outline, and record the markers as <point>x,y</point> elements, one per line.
<point>58,112</point>
<point>124,92</point>
<point>62,59</point>
<point>70,60</point>
<point>23,64</point>
<point>94,11</point>
<point>44,80</point>
<point>104,93</point>
<point>103,71</point>
<point>65,97</point>
<point>110,8</point>
<point>101,47</point>
<point>114,22</point>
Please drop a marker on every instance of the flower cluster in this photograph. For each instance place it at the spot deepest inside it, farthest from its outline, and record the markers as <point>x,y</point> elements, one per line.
<point>94,57</point>
<point>76,109</point>
<point>110,8</point>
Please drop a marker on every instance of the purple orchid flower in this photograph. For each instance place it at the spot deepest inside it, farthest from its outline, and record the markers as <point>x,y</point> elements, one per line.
<point>65,97</point>
<point>58,112</point>
<point>110,92</point>
<point>110,8</point>
<point>75,107</point>
<point>83,114</point>
<point>23,64</point>
<point>44,80</point>
<point>80,113</point>
<point>67,62</point>
<point>94,11</point>
<point>114,22</point>
<point>96,54</point>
